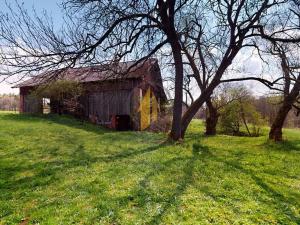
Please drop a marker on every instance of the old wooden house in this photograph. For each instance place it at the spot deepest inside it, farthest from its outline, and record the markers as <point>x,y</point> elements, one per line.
<point>120,95</point>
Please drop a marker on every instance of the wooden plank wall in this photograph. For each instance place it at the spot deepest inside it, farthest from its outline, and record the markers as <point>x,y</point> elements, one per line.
<point>107,103</point>
<point>32,104</point>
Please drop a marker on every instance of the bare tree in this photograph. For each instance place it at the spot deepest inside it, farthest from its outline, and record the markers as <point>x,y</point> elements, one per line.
<point>287,85</point>
<point>95,30</point>
<point>188,87</point>
<point>211,46</point>
<point>290,86</point>
<point>212,32</point>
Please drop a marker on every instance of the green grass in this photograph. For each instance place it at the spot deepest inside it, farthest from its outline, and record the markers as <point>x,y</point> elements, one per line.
<point>55,170</point>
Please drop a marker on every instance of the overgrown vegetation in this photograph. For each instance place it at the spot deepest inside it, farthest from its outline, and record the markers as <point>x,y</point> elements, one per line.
<point>56,170</point>
<point>233,108</point>
<point>64,94</point>
<point>241,114</point>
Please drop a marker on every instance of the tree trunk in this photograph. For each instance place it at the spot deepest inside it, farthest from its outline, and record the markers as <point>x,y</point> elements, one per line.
<point>211,119</point>
<point>275,133</point>
<point>193,109</point>
<point>166,12</point>
<point>175,133</point>
<point>207,92</point>
<point>244,118</point>
<point>288,101</point>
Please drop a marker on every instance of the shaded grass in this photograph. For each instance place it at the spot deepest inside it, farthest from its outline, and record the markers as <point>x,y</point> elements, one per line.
<point>56,170</point>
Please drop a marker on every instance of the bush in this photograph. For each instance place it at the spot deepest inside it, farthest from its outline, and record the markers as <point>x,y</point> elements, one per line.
<point>64,95</point>
<point>241,114</point>
<point>230,119</point>
<point>256,122</point>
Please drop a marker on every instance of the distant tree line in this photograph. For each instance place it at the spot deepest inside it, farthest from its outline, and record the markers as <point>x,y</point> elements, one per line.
<point>268,106</point>
<point>239,112</point>
<point>9,102</point>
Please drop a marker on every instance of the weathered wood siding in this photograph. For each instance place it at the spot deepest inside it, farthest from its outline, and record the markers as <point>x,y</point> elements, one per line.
<point>137,97</point>
<point>107,103</point>
<point>32,104</point>
<point>29,103</point>
<point>95,87</point>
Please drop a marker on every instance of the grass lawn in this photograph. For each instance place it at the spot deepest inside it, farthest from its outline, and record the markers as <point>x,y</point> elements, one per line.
<point>55,170</point>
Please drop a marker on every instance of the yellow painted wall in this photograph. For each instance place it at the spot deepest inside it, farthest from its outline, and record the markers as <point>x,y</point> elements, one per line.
<point>154,115</point>
<point>145,110</point>
<point>145,106</point>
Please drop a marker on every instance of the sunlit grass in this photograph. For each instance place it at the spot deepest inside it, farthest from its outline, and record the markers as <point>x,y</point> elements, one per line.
<point>56,170</point>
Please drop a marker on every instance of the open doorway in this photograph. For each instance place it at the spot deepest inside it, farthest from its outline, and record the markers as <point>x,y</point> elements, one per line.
<point>46,105</point>
<point>123,122</point>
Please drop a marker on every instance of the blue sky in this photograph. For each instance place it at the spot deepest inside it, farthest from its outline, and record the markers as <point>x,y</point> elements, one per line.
<point>51,6</point>
<point>53,9</point>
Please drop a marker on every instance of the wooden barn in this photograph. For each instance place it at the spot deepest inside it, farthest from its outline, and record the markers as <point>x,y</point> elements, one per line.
<point>120,96</point>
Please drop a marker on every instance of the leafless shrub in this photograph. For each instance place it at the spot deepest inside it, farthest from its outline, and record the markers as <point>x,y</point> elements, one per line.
<point>163,124</point>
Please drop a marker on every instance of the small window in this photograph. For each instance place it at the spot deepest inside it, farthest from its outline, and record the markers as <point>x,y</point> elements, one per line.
<point>46,105</point>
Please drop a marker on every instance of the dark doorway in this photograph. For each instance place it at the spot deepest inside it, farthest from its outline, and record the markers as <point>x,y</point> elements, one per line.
<point>123,122</point>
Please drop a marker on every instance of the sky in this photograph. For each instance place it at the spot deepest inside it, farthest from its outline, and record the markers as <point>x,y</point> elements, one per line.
<point>51,6</point>
<point>53,9</point>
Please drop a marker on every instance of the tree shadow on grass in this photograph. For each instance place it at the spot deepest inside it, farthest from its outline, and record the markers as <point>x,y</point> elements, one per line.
<point>172,200</point>
<point>287,145</point>
<point>69,121</point>
<point>142,192</point>
<point>84,158</point>
<point>191,136</point>
<point>279,199</point>
<point>185,182</point>
<point>46,173</point>
<point>282,202</point>
<point>56,119</point>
